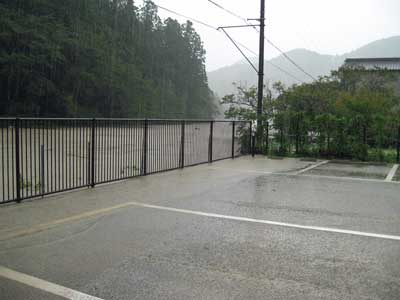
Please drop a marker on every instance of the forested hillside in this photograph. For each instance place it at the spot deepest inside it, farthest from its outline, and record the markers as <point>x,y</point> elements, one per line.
<point>103,58</point>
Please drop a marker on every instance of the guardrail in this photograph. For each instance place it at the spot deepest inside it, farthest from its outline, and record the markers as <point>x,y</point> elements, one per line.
<point>45,156</point>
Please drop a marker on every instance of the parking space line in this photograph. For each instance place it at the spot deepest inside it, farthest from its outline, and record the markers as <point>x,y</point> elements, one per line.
<point>282,224</point>
<point>346,178</point>
<point>312,167</point>
<point>109,210</point>
<point>45,286</point>
<point>392,173</point>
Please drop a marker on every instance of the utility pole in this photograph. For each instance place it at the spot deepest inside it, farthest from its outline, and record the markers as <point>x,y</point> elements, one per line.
<point>261,76</point>
<point>260,70</point>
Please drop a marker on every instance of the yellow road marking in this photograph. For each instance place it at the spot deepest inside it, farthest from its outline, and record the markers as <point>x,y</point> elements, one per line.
<point>46,226</point>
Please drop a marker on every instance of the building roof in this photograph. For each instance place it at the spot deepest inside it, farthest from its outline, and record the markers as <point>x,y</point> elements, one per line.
<point>388,63</point>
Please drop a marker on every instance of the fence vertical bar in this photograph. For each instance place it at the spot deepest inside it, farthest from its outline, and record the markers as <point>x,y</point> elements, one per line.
<point>144,154</point>
<point>210,145</point>
<point>92,177</point>
<point>88,147</point>
<point>253,145</point>
<point>182,156</point>
<point>267,138</point>
<point>17,162</point>
<point>252,140</point>
<point>42,182</point>
<point>233,139</point>
<point>398,144</point>
<point>2,162</point>
<point>30,155</point>
<point>250,133</point>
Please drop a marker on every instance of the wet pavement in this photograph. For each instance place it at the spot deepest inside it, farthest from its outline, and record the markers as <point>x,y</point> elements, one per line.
<point>397,175</point>
<point>98,242</point>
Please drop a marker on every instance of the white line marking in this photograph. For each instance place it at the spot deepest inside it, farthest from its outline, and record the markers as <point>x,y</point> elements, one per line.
<point>392,173</point>
<point>346,178</point>
<point>109,210</point>
<point>251,220</point>
<point>43,285</point>
<point>312,167</point>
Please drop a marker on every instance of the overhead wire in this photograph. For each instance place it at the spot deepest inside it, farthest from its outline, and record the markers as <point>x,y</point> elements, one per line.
<point>276,66</point>
<point>290,59</point>
<point>215,28</point>
<point>183,16</point>
<point>204,24</point>
<point>228,11</point>
<point>268,40</point>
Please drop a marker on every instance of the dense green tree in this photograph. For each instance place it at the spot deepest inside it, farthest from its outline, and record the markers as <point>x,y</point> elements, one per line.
<point>104,58</point>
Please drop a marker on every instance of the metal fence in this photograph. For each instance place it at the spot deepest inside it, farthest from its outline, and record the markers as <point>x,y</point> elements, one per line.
<point>45,156</point>
<point>378,146</point>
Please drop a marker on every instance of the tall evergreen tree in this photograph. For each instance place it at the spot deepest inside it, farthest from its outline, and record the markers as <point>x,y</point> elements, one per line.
<point>104,58</point>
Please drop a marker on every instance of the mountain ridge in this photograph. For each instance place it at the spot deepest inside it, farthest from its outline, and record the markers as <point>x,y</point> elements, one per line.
<point>220,80</point>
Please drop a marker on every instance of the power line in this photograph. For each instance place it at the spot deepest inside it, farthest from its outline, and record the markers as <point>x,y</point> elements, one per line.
<point>286,72</point>
<point>291,60</point>
<point>228,11</point>
<point>240,44</point>
<point>183,16</point>
<point>240,50</point>
<point>274,65</point>
<point>243,19</point>
<point>268,40</point>
<point>204,24</point>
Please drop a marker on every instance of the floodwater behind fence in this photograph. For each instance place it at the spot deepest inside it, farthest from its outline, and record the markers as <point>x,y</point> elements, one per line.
<point>45,156</point>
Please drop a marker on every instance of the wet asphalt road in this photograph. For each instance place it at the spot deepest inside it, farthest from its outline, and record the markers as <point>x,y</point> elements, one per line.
<point>145,253</point>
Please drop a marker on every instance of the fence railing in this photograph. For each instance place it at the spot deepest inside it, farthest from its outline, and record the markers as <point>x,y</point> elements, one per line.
<point>374,147</point>
<point>45,156</point>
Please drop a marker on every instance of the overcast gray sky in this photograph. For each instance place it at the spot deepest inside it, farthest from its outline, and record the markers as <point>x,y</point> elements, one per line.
<point>325,26</point>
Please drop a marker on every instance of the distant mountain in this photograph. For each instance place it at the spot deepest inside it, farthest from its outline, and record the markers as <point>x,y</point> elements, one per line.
<point>220,81</point>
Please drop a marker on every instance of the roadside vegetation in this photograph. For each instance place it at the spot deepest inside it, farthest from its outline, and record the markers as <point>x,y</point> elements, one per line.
<point>351,114</point>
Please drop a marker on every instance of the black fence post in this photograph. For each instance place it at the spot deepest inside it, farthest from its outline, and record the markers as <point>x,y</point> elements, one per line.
<point>92,171</point>
<point>250,133</point>
<point>210,143</point>
<point>182,156</point>
<point>233,139</point>
<point>253,145</point>
<point>88,164</point>
<point>144,154</point>
<point>17,162</point>
<point>398,144</point>
<point>267,138</point>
